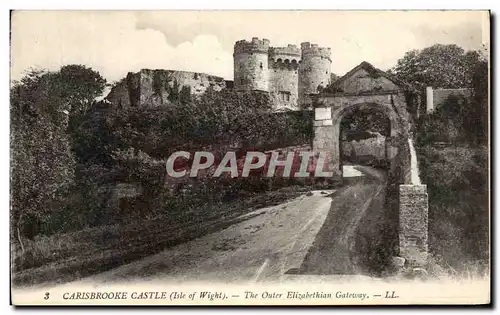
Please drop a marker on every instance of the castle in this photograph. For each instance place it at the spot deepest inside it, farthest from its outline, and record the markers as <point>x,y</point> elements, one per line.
<point>288,74</point>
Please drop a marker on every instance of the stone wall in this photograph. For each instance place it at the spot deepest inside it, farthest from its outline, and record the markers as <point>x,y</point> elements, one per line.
<point>288,73</point>
<point>119,94</point>
<point>326,139</point>
<point>154,87</point>
<point>413,224</point>
<point>408,203</point>
<point>283,84</point>
<point>373,148</point>
<point>436,97</point>
<point>362,81</point>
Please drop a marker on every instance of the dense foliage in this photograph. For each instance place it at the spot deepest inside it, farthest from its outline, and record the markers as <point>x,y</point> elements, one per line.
<point>217,120</point>
<point>439,66</point>
<point>43,105</point>
<point>457,182</point>
<point>112,145</point>
<point>460,119</point>
<point>453,158</point>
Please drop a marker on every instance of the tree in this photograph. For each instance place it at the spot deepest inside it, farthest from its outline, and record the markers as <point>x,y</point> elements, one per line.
<point>458,118</point>
<point>46,108</point>
<point>365,122</point>
<point>476,115</point>
<point>79,86</point>
<point>439,66</point>
<point>41,163</point>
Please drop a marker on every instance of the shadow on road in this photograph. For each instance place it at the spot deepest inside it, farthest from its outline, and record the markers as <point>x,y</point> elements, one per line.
<point>359,235</point>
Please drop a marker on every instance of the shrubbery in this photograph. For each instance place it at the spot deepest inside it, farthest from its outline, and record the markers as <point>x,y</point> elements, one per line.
<point>453,159</point>
<point>132,145</point>
<point>457,182</point>
<point>44,108</point>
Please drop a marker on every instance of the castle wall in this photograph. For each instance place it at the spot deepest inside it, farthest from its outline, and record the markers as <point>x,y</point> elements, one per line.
<point>283,84</point>
<point>119,94</point>
<point>288,73</point>
<point>156,87</point>
<point>436,97</point>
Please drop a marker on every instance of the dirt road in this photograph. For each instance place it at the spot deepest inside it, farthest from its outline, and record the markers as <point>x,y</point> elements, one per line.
<point>263,247</point>
<point>313,234</point>
<point>355,235</point>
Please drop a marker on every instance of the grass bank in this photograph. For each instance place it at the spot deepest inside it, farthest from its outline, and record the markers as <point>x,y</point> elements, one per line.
<point>457,179</point>
<point>68,256</point>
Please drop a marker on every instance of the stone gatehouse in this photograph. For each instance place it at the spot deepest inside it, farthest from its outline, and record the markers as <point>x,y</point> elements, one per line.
<point>363,88</point>
<point>368,88</point>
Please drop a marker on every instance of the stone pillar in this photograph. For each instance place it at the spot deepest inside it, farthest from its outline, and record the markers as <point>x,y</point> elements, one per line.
<point>326,139</point>
<point>429,93</point>
<point>413,223</point>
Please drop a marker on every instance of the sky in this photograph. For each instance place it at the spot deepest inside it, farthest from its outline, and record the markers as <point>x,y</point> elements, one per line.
<point>117,42</point>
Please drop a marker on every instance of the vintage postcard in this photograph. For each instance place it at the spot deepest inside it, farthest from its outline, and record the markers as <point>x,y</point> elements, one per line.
<point>250,157</point>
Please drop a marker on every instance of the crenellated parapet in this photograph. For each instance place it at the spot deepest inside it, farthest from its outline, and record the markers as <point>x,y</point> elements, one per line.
<point>313,50</point>
<point>314,70</point>
<point>256,45</point>
<point>289,52</point>
<point>289,73</point>
<point>284,57</point>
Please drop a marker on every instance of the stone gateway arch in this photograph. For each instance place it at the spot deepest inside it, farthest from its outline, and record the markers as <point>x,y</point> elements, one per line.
<point>366,87</point>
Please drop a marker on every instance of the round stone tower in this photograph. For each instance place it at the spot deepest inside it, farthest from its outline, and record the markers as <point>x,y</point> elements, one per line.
<point>314,70</point>
<point>251,65</point>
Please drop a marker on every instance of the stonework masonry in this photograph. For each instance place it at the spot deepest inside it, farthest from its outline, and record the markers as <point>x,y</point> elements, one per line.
<point>371,147</point>
<point>436,97</point>
<point>314,71</point>
<point>156,87</point>
<point>413,223</point>
<point>363,89</point>
<point>288,73</point>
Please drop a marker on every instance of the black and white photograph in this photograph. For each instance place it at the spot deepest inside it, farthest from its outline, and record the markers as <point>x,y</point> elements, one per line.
<point>258,157</point>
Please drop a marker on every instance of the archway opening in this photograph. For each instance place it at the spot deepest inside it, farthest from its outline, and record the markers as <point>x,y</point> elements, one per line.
<point>364,131</point>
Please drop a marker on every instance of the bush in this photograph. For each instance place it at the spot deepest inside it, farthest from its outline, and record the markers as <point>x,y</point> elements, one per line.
<point>132,145</point>
<point>457,181</point>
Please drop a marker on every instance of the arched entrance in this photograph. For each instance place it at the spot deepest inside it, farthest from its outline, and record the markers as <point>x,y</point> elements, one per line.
<point>365,87</point>
<point>327,124</point>
<point>358,109</point>
<point>363,133</point>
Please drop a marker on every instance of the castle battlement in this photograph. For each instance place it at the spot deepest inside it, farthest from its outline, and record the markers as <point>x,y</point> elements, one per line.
<point>313,50</point>
<point>291,51</point>
<point>288,73</point>
<point>256,45</point>
<point>284,57</point>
